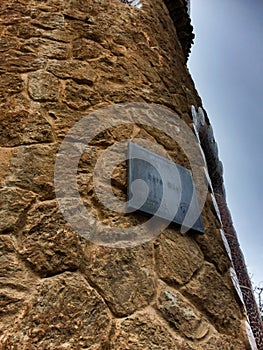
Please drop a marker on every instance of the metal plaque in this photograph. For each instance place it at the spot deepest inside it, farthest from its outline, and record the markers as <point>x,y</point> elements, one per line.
<point>162,188</point>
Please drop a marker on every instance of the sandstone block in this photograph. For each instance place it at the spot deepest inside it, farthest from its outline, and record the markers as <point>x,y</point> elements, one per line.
<point>20,62</point>
<point>217,298</point>
<point>14,203</point>
<point>178,257</point>
<point>218,341</point>
<point>49,20</point>
<point>10,84</point>
<point>23,127</point>
<point>144,331</point>
<point>124,277</point>
<point>32,168</point>
<point>8,42</point>
<point>181,314</point>
<point>43,86</point>
<point>84,49</point>
<point>15,284</point>
<point>81,72</point>
<point>65,313</point>
<point>23,29</point>
<point>213,249</point>
<point>47,48</point>
<point>6,155</point>
<point>47,243</point>
<point>79,97</point>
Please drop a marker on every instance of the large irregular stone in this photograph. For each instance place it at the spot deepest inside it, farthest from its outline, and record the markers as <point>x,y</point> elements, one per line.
<point>43,86</point>
<point>49,20</point>
<point>15,284</point>
<point>217,298</point>
<point>144,331</point>
<point>80,97</point>
<point>8,42</point>
<point>81,72</point>
<point>47,243</point>
<point>86,49</point>
<point>22,128</point>
<point>10,84</point>
<point>213,249</point>
<point>14,204</point>
<point>66,313</point>
<point>181,314</point>
<point>61,117</point>
<point>32,168</point>
<point>47,48</point>
<point>178,257</point>
<point>20,62</point>
<point>124,277</point>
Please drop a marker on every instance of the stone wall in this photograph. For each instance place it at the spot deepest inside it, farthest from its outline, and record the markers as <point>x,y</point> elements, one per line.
<point>59,61</point>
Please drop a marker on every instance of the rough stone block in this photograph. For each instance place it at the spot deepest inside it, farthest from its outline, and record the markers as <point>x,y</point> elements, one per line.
<point>81,72</point>
<point>123,276</point>
<point>47,243</point>
<point>22,128</point>
<point>144,331</point>
<point>217,298</point>
<point>213,249</point>
<point>15,284</point>
<point>79,97</point>
<point>178,257</point>
<point>14,203</point>
<point>10,84</point>
<point>84,49</point>
<point>20,62</point>
<point>47,48</point>
<point>32,168</point>
<point>43,86</point>
<point>181,314</point>
<point>64,311</point>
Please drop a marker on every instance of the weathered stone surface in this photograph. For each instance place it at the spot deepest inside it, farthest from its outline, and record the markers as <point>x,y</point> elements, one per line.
<point>144,331</point>
<point>47,243</point>
<point>10,84</point>
<point>14,61</point>
<point>23,29</point>
<point>65,313</point>
<point>32,168</point>
<point>80,97</point>
<point>49,20</point>
<point>124,277</point>
<point>81,72</point>
<point>85,49</point>
<point>7,43</point>
<point>14,204</point>
<point>22,128</point>
<point>178,257</point>
<point>15,284</point>
<point>61,117</point>
<point>211,220</point>
<point>182,315</point>
<point>47,48</point>
<point>217,298</point>
<point>43,86</point>
<point>213,249</point>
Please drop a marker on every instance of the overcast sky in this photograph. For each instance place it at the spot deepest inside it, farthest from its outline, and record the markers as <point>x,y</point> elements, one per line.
<point>226,64</point>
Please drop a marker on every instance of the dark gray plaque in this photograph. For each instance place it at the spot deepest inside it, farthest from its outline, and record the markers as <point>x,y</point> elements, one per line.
<point>162,188</point>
